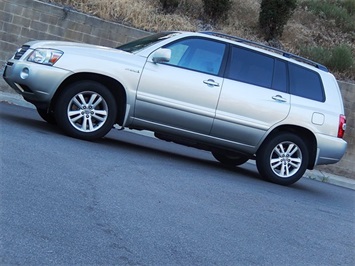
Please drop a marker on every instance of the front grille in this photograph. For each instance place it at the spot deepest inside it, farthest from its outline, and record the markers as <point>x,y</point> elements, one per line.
<point>20,52</point>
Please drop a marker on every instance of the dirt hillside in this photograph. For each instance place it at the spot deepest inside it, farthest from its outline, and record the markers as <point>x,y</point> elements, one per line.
<point>304,29</point>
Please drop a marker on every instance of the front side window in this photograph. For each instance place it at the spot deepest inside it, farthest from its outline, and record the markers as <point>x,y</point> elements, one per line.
<point>250,67</point>
<point>305,83</point>
<point>197,54</point>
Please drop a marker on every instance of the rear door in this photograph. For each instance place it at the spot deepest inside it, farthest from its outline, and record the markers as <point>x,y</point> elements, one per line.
<point>183,93</point>
<point>254,97</point>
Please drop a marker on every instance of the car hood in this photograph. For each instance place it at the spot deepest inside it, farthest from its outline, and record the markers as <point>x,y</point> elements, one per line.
<point>76,48</point>
<point>56,44</point>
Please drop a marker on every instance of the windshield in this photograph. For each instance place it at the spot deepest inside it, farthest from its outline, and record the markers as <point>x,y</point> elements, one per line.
<point>139,44</point>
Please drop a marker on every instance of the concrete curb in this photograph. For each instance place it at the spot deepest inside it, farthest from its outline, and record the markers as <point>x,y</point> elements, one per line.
<point>14,98</point>
<point>330,178</point>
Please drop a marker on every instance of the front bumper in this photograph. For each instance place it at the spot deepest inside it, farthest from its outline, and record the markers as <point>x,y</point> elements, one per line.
<point>35,82</point>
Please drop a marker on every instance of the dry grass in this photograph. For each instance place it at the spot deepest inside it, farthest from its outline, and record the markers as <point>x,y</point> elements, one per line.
<point>303,28</point>
<point>142,14</point>
<point>148,15</point>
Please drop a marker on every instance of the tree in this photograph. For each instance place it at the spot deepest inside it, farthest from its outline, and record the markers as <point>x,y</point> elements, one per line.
<point>169,6</point>
<point>274,15</point>
<point>216,9</point>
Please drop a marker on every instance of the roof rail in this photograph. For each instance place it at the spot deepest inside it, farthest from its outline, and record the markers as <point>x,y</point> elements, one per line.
<point>269,48</point>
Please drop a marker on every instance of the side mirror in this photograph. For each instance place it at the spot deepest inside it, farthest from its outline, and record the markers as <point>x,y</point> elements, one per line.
<point>162,55</point>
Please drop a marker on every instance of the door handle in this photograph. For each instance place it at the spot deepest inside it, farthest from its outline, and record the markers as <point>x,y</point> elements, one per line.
<point>211,82</point>
<point>279,98</point>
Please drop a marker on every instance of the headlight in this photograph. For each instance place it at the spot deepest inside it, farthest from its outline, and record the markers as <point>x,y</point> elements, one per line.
<point>45,56</point>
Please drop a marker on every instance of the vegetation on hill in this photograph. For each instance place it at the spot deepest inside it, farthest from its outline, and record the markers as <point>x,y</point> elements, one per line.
<point>322,30</point>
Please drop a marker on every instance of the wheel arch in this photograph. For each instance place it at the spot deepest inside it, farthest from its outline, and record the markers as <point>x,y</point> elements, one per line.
<point>115,87</point>
<point>307,136</point>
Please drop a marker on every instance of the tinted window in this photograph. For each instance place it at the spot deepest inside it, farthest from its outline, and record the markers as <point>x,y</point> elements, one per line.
<point>305,83</point>
<point>197,54</point>
<point>279,81</point>
<point>251,67</point>
<point>139,44</point>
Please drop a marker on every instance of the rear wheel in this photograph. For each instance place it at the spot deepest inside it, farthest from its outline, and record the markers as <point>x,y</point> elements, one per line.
<point>283,159</point>
<point>86,110</point>
<point>230,159</point>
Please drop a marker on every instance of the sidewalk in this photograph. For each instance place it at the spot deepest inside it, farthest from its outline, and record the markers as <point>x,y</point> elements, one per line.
<point>14,98</point>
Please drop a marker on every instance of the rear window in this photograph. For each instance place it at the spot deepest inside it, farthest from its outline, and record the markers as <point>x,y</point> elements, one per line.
<point>279,81</point>
<point>251,67</point>
<point>305,83</point>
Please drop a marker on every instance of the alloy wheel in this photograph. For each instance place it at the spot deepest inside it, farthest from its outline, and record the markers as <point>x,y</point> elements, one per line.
<point>286,159</point>
<point>87,111</point>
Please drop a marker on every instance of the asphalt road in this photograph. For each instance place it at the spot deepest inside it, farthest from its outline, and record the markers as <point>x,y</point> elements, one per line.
<point>129,199</point>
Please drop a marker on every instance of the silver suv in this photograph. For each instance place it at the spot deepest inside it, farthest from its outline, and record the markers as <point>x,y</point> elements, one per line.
<point>238,99</point>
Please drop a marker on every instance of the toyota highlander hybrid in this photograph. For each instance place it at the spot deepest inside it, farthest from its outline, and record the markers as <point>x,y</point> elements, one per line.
<point>236,98</point>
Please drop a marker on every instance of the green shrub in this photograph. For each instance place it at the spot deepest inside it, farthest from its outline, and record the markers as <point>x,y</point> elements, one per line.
<point>316,53</point>
<point>342,12</point>
<point>169,6</point>
<point>349,5</point>
<point>216,9</point>
<point>274,15</point>
<point>339,58</point>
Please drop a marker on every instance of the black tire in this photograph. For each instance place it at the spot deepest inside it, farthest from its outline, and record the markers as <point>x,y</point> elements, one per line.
<point>283,159</point>
<point>230,159</point>
<point>47,116</point>
<point>86,110</point>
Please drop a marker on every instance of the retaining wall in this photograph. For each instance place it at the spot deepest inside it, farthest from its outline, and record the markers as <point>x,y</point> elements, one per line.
<point>24,20</point>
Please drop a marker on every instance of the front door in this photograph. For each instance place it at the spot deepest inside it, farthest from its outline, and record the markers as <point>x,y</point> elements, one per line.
<point>183,93</point>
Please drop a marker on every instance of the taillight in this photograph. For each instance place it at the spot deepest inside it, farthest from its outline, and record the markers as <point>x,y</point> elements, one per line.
<point>342,126</point>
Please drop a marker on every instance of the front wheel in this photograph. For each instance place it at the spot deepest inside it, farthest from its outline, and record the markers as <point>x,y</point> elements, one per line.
<point>283,159</point>
<point>86,110</point>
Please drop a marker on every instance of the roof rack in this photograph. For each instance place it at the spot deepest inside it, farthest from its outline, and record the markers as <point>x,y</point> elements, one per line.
<point>266,47</point>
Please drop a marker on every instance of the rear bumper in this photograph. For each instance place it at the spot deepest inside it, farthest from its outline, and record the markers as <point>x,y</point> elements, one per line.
<point>330,149</point>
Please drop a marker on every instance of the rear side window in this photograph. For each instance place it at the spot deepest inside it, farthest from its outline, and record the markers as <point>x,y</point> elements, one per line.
<point>279,81</point>
<point>251,67</point>
<point>305,83</point>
